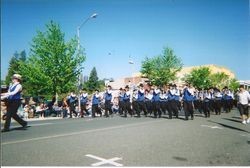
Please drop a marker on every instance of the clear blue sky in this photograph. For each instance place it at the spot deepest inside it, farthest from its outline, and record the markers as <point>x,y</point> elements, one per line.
<point>199,31</point>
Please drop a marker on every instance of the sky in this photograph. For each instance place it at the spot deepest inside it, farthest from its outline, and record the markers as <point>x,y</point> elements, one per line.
<point>199,31</point>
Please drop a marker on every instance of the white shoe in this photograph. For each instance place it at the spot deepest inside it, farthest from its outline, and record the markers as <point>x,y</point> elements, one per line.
<point>244,122</point>
<point>248,120</point>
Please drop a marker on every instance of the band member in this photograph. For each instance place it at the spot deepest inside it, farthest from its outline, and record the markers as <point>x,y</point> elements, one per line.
<point>163,102</point>
<point>200,100</point>
<point>177,98</point>
<point>172,102</point>
<point>231,99</point>
<point>207,99</point>
<point>127,103</point>
<point>121,101</point>
<point>141,101</point>
<point>83,100</point>
<point>212,103</point>
<point>108,99</point>
<point>72,100</point>
<point>227,98</point>
<point>156,102</point>
<point>217,101</point>
<point>95,104</point>
<point>148,100</point>
<point>243,104</point>
<point>135,106</point>
<point>196,99</point>
<point>13,100</point>
<point>188,98</point>
<point>167,104</point>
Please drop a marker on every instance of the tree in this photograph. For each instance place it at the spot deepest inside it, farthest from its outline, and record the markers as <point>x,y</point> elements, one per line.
<point>233,84</point>
<point>22,56</point>
<point>93,83</point>
<point>203,78</point>
<point>162,69</point>
<point>53,66</point>
<point>14,65</point>
<point>200,77</point>
<point>3,82</point>
<point>219,79</point>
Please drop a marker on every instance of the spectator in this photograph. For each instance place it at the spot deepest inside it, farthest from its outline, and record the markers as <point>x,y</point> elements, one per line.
<point>57,109</point>
<point>72,100</point>
<point>65,107</point>
<point>41,109</point>
<point>50,105</point>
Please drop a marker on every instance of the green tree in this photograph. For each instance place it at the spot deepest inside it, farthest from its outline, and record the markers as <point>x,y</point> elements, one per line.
<point>53,66</point>
<point>22,56</point>
<point>14,65</point>
<point>3,82</point>
<point>219,79</point>
<point>162,69</point>
<point>233,84</point>
<point>200,77</point>
<point>93,83</point>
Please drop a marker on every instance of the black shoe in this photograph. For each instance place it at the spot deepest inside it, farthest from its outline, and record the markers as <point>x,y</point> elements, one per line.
<point>25,125</point>
<point>5,130</point>
<point>192,118</point>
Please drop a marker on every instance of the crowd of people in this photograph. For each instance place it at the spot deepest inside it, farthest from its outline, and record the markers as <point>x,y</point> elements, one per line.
<point>145,99</point>
<point>155,102</point>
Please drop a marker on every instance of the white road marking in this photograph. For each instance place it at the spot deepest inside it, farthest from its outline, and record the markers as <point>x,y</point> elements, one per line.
<point>245,135</point>
<point>39,124</point>
<point>81,132</point>
<point>210,126</point>
<point>105,161</point>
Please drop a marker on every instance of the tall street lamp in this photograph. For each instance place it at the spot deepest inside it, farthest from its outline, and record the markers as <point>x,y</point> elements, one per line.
<point>131,62</point>
<point>94,15</point>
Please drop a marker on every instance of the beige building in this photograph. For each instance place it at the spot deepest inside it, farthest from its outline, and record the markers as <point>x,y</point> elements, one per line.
<point>137,77</point>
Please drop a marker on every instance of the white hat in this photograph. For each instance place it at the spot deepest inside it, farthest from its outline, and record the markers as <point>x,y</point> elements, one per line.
<point>17,76</point>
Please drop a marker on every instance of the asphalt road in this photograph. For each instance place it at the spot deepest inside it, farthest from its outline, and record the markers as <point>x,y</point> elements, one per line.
<point>216,141</point>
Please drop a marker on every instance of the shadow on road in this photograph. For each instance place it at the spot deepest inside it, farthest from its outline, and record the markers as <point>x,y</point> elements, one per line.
<point>229,119</point>
<point>179,158</point>
<point>199,115</point>
<point>228,126</point>
<point>236,117</point>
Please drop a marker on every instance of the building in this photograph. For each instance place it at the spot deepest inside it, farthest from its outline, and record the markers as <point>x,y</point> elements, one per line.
<point>131,81</point>
<point>245,83</point>
<point>138,78</point>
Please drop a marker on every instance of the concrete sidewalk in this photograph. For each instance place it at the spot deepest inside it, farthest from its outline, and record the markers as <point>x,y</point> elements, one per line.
<point>34,119</point>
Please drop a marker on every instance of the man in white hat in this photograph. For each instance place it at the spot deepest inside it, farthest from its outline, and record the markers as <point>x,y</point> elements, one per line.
<point>13,97</point>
